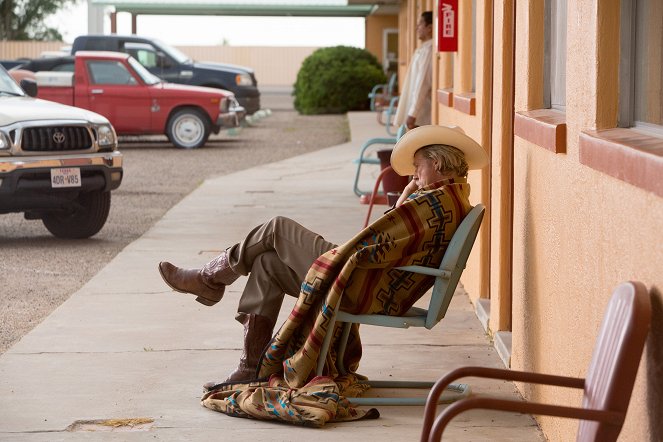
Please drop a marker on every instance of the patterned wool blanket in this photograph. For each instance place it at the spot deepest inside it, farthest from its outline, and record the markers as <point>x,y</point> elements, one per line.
<point>361,276</point>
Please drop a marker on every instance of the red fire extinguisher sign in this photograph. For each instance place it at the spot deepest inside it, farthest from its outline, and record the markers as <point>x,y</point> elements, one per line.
<point>447,26</point>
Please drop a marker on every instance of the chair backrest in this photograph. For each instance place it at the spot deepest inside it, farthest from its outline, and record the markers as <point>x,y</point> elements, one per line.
<point>453,262</point>
<point>401,131</point>
<point>617,352</point>
<point>392,84</point>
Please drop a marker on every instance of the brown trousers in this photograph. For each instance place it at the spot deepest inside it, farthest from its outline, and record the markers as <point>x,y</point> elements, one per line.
<point>276,256</point>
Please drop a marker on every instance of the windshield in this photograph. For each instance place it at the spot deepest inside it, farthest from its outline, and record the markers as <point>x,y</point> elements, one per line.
<point>146,75</point>
<point>8,85</point>
<point>178,55</point>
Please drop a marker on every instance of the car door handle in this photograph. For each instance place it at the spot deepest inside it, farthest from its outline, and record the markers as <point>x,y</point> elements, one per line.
<point>97,91</point>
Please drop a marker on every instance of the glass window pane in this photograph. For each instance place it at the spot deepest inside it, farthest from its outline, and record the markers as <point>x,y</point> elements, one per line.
<point>558,54</point>
<point>648,75</point>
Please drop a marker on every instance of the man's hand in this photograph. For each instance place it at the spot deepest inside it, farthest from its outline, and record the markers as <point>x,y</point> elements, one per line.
<point>410,122</point>
<point>411,187</point>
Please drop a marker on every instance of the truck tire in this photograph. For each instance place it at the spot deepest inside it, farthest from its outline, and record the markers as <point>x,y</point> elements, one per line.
<point>188,128</point>
<point>85,220</point>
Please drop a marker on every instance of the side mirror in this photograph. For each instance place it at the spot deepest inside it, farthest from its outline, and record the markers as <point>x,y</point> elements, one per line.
<point>29,86</point>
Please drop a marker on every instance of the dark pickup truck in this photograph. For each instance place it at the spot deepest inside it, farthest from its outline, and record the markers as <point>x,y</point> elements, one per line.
<point>171,65</point>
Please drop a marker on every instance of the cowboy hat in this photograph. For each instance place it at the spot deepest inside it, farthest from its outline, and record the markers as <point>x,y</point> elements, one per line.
<point>402,157</point>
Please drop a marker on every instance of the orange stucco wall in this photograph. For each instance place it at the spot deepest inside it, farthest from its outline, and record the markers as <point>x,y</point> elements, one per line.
<point>375,25</point>
<point>578,233</point>
<point>559,235</point>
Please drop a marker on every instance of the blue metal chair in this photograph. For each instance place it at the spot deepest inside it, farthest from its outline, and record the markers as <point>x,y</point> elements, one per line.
<point>382,93</point>
<point>389,114</point>
<point>446,281</point>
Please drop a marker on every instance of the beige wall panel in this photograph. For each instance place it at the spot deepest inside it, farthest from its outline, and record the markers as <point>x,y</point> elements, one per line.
<point>11,50</point>
<point>274,66</point>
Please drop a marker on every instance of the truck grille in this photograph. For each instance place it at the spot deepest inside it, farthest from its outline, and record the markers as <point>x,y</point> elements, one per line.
<point>55,139</point>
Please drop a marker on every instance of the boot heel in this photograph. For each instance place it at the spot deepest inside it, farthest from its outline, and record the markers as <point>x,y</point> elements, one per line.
<point>205,301</point>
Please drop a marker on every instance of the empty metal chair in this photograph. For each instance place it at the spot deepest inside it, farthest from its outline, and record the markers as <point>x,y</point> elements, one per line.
<point>607,387</point>
<point>365,158</point>
<point>381,94</point>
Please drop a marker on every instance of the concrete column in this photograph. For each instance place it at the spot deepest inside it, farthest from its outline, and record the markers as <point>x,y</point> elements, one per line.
<point>95,18</point>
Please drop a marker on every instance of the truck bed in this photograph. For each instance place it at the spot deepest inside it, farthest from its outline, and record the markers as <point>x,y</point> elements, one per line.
<point>56,86</point>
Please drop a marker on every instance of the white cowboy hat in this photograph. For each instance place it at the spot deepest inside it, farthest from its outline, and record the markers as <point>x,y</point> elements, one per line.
<point>402,157</point>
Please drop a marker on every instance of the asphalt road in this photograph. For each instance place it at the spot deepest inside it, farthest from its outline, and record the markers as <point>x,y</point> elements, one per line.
<point>38,272</point>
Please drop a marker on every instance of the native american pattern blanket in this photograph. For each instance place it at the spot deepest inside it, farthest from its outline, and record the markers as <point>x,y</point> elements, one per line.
<point>361,276</point>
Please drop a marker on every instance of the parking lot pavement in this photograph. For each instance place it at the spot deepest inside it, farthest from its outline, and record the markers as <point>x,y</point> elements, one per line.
<point>125,348</point>
<point>39,271</point>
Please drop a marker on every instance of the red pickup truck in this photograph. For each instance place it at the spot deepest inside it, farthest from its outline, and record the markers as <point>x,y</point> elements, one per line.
<point>137,102</point>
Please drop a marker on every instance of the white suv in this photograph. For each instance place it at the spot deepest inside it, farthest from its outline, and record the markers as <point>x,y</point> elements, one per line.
<point>57,163</point>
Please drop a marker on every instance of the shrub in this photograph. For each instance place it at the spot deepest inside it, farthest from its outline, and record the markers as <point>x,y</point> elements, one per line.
<point>335,80</point>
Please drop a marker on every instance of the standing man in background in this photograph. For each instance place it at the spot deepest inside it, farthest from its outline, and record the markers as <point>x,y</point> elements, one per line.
<point>414,104</point>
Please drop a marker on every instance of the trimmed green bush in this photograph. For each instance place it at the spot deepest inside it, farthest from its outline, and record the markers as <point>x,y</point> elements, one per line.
<point>335,80</point>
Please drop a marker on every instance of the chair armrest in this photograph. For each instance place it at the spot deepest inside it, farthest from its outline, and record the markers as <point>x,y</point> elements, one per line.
<point>375,89</point>
<point>435,434</point>
<point>492,373</point>
<point>446,274</point>
<point>371,141</point>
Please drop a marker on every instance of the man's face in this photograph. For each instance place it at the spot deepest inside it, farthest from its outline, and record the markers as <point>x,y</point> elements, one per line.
<point>424,31</point>
<point>425,171</point>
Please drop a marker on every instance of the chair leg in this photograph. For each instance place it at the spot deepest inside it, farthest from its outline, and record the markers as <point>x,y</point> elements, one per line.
<point>324,349</point>
<point>341,348</point>
<point>371,201</point>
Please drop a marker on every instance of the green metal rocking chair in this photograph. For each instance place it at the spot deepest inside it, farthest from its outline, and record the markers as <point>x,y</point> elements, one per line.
<point>446,280</point>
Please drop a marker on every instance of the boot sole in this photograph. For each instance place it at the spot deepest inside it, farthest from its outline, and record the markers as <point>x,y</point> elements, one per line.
<point>200,299</point>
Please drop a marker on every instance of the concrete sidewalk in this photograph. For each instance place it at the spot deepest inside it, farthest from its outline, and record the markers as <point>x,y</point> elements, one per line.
<point>126,347</point>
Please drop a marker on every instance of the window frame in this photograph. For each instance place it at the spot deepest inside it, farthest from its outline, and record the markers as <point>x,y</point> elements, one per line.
<point>627,65</point>
<point>549,55</point>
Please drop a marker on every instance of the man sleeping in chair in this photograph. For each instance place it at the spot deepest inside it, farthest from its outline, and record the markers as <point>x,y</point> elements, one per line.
<point>282,257</point>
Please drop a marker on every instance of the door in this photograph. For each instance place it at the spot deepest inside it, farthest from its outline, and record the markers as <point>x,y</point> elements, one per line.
<point>157,62</point>
<point>117,94</point>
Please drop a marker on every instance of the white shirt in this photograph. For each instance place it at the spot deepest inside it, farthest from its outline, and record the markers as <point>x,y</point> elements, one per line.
<point>415,97</point>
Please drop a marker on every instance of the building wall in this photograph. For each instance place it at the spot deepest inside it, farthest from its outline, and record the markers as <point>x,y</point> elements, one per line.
<point>578,232</point>
<point>375,25</point>
<point>563,229</point>
<point>12,50</point>
<point>273,66</point>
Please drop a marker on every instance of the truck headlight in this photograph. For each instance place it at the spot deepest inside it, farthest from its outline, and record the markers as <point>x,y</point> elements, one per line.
<point>4,142</point>
<point>106,138</point>
<point>224,105</point>
<point>243,80</point>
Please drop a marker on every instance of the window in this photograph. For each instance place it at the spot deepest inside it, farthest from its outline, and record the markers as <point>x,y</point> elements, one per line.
<point>641,58</point>
<point>144,53</point>
<point>554,71</point>
<point>109,72</point>
<point>65,67</point>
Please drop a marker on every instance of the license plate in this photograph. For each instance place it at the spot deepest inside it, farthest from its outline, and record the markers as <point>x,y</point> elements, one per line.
<point>66,177</point>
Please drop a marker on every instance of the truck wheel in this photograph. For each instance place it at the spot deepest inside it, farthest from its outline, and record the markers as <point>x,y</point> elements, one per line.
<point>85,220</point>
<point>188,128</point>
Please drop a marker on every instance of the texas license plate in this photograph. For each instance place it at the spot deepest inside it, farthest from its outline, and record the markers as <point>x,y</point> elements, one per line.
<point>66,177</point>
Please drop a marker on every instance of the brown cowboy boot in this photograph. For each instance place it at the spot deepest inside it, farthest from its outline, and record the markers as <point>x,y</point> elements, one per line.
<point>208,283</point>
<point>257,335</point>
